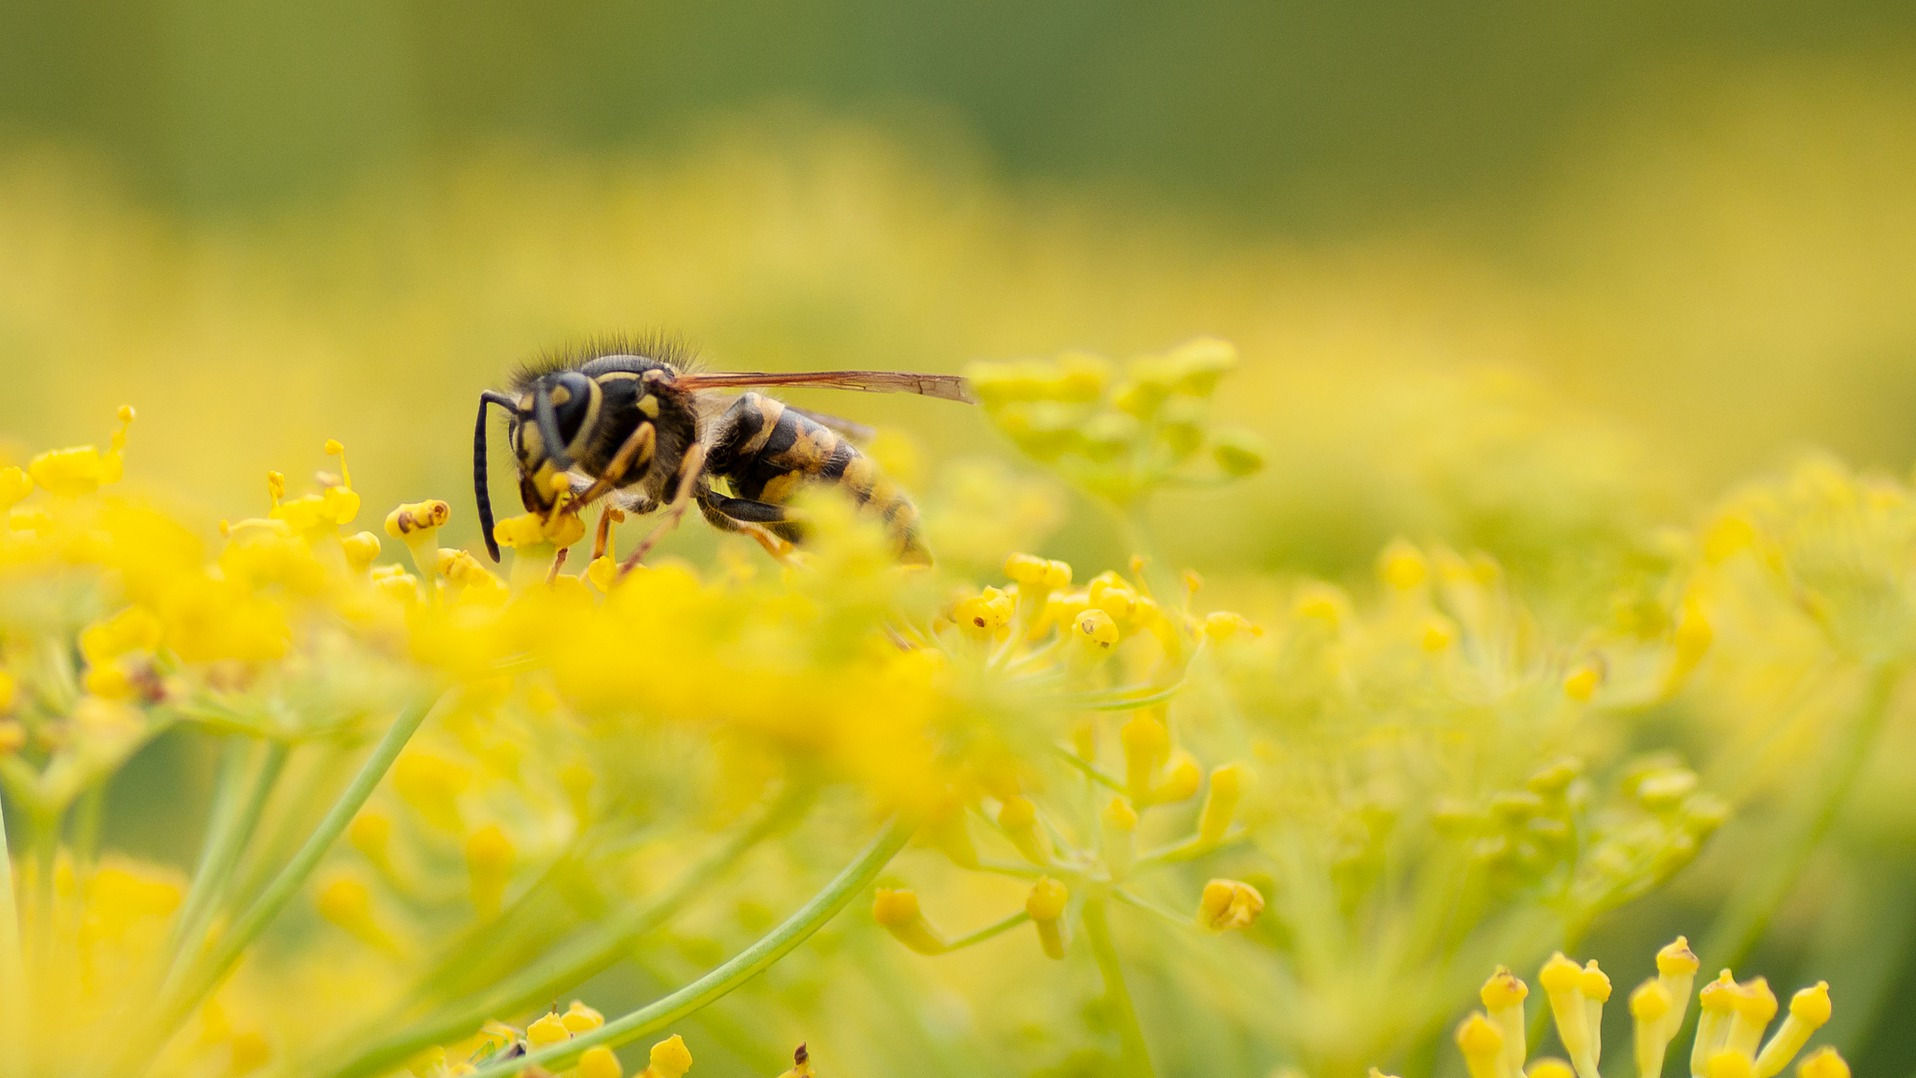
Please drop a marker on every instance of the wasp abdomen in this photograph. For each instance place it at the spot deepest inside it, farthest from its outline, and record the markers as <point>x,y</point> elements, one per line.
<point>767,451</point>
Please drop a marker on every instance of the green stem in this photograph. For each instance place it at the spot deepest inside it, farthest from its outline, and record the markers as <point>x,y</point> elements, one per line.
<point>1756,901</point>
<point>245,781</point>
<point>44,823</point>
<point>580,960</point>
<point>996,928</point>
<point>182,993</point>
<point>742,967</point>
<point>1135,1051</point>
<point>1126,699</point>
<point>1190,849</point>
<point>88,816</point>
<point>1089,769</point>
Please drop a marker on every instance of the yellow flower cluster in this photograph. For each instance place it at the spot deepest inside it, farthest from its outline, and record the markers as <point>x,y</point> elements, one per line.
<point>1121,433</point>
<point>519,718</point>
<point>1412,774</point>
<point>1067,811</point>
<point>497,1042</point>
<point>476,792</point>
<point>1729,1033</point>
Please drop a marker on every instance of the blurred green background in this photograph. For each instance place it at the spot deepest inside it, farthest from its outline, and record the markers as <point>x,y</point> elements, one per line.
<point>1528,278</point>
<point>1308,119</point>
<point>1652,245</point>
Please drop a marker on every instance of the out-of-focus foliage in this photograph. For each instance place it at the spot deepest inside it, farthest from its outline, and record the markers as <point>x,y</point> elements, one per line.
<point>1614,348</point>
<point>1522,624</point>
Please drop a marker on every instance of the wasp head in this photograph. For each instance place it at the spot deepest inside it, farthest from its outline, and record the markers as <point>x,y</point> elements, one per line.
<point>550,421</point>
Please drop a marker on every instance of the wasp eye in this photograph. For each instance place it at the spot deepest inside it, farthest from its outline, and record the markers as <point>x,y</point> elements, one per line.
<point>571,400</point>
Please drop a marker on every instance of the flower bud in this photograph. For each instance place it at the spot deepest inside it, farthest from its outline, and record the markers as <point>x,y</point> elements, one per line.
<point>1228,904</point>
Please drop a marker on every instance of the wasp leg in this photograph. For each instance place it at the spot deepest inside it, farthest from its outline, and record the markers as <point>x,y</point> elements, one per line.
<point>754,519</point>
<point>635,452</point>
<point>691,471</point>
<point>602,539</point>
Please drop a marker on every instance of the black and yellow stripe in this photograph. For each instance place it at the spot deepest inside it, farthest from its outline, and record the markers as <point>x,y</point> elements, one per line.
<point>768,451</point>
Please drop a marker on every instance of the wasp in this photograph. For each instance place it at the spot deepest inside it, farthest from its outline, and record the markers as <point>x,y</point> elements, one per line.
<point>635,422</point>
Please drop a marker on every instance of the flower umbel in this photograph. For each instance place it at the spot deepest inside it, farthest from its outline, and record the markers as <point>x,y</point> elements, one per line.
<point>1729,1034</point>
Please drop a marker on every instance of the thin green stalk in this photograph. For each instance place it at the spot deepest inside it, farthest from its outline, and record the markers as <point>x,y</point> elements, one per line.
<point>990,931</point>
<point>88,817</point>
<point>1089,769</point>
<point>1135,1051</point>
<point>578,961</point>
<point>181,994</point>
<point>742,967</point>
<point>1742,923</point>
<point>45,823</point>
<point>1756,901</point>
<point>246,779</point>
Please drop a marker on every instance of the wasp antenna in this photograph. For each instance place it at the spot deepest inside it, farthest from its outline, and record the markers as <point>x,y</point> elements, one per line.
<point>548,420</point>
<point>481,491</point>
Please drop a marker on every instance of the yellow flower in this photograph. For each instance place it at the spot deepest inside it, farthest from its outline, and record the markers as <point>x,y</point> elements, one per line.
<point>1727,1039</point>
<point>1228,904</point>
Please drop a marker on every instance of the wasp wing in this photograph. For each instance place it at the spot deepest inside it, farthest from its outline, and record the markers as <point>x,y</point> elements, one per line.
<point>850,429</point>
<point>949,387</point>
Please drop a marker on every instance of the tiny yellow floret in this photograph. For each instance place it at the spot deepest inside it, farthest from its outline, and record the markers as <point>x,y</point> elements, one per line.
<point>1650,1002</point>
<point>1096,628</point>
<point>580,1018</point>
<point>1560,974</point>
<point>1147,745</point>
<point>670,1058</point>
<point>1482,1046</point>
<point>1220,803</point>
<point>1581,683</point>
<point>1503,989</point>
<point>599,1062</point>
<point>1676,958</point>
<point>1402,567</point>
<point>415,517</point>
<point>1594,983</point>
<point>1222,625</point>
<point>894,907</point>
<point>548,1029</point>
<point>1812,1005</point>
<point>1045,905</point>
<point>1228,904</point>
<point>1823,1063</point>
